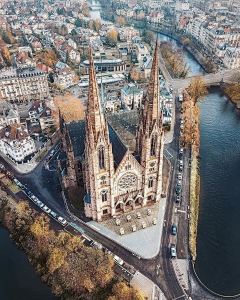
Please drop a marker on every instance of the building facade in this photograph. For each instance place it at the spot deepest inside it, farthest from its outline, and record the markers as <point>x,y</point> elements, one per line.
<point>116,179</point>
<point>16,143</point>
<point>23,84</point>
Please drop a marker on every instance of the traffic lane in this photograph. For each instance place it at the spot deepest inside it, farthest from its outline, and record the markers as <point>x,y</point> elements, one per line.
<point>45,185</point>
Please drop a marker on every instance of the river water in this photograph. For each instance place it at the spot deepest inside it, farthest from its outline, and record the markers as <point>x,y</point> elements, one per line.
<point>18,280</point>
<point>218,242</point>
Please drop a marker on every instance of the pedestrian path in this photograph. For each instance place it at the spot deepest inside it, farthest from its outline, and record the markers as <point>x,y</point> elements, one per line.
<point>146,287</point>
<point>144,243</point>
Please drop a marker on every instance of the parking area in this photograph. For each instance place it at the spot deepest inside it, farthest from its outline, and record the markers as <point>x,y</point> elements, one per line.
<point>133,220</point>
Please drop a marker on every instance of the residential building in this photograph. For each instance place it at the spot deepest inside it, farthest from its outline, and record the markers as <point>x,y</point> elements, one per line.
<point>131,96</point>
<point>16,143</point>
<point>64,77</point>
<point>23,84</point>
<point>231,58</point>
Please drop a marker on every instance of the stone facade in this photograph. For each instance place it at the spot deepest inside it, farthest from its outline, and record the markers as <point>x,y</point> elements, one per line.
<point>116,179</point>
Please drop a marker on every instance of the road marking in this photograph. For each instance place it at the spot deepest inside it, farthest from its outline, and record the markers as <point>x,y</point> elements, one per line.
<point>181,211</point>
<point>168,152</point>
<point>95,227</point>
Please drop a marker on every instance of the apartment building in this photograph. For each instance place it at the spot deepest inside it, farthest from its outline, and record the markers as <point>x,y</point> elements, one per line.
<point>16,143</point>
<point>232,58</point>
<point>23,84</point>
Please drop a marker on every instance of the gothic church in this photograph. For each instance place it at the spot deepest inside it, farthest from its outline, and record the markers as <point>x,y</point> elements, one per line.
<point>116,178</point>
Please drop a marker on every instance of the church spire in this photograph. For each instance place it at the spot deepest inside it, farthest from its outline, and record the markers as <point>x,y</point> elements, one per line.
<point>151,111</point>
<point>94,114</point>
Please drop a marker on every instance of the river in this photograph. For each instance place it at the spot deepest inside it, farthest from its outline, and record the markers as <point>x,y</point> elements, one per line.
<point>218,241</point>
<point>19,281</point>
<point>95,14</point>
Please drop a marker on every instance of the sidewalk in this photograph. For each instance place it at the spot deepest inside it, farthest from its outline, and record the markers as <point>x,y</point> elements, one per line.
<point>25,167</point>
<point>146,287</point>
<point>144,243</point>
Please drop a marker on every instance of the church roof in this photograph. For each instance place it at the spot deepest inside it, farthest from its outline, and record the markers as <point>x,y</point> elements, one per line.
<point>77,134</point>
<point>125,125</point>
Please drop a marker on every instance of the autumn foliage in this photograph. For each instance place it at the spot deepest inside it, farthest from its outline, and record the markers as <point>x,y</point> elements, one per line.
<point>71,108</point>
<point>48,57</point>
<point>174,59</point>
<point>112,37</point>
<point>73,270</point>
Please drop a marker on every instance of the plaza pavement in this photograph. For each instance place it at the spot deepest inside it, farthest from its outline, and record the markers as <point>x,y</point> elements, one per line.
<point>144,243</point>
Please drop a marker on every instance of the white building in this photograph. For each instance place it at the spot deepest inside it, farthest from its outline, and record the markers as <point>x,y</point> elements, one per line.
<point>23,84</point>
<point>232,58</point>
<point>64,78</point>
<point>131,96</point>
<point>16,142</point>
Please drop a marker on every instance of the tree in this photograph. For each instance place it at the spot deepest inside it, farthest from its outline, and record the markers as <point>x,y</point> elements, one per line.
<point>112,37</point>
<point>97,25</point>
<point>78,22</point>
<point>56,259</point>
<point>197,89</point>
<point>148,36</point>
<point>6,57</point>
<point>123,292</point>
<point>121,20</point>
<point>90,24</point>
<point>71,107</point>
<point>73,32</point>
<point>186,42</point>
<point>86,10</point>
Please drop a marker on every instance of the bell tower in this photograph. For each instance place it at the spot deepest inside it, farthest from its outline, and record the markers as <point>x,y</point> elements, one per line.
<point>98,154</point>
<point>149,139</point>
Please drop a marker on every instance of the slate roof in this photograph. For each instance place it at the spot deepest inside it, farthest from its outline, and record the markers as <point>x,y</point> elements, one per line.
<point>77,134</point>
<point>125,125</point>
<point>131,89</point>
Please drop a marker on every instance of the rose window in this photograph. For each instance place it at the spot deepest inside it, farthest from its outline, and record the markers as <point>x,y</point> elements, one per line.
<point>127,181</point>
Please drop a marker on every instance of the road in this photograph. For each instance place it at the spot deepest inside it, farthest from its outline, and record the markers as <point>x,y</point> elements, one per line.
<point>208,79</point>
<point>45,185</point>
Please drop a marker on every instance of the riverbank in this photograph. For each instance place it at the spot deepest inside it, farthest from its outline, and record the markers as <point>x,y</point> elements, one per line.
<point>73,270</point>
<point>197,55</point>
<point>232,91</point>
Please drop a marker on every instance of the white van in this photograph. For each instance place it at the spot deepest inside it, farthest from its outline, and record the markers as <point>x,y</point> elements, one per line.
<point>118,260</point>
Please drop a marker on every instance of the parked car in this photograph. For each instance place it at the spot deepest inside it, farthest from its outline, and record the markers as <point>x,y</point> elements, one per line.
<point>34,198</point>
<point>118,260</point>
<point>178,190</point>
<point>179,175</point>
<point>173,251</point>
<point>180,168</point>
<point>62,221</point>
<point>52,213</point>
<point>174,229</point>
<point>40,204</point>
<point>178,199</point>
<point>46,209</point>
<point>138,215</point>
<point>28,192</point>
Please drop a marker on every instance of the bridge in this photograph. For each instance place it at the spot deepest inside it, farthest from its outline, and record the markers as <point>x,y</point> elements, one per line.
<point>208,79</point>
<point>93,5</point>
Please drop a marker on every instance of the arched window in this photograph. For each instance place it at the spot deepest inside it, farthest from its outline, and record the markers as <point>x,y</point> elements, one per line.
<point>153,145</point>
<point>101,159</point>
<point>104,196</point>
<point>150,182</point>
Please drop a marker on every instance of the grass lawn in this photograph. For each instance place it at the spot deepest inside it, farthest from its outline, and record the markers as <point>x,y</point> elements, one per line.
<point>76,195</point>
<point>41,155</point>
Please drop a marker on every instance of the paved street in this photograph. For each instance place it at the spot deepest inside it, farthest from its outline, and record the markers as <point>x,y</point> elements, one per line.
<point>208,79</point>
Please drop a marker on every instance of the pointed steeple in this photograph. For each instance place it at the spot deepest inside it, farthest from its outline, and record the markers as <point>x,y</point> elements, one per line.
<point>94,113</point>
<point>151,111</point>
